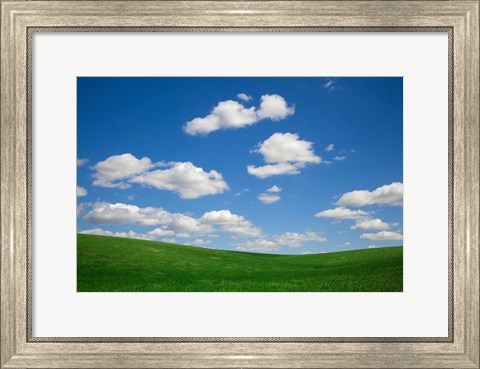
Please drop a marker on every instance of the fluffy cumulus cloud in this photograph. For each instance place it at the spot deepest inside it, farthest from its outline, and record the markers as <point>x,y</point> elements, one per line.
<point>185,224</point>
<point>160,232</point>
<point>245,229</point>
<point>330,147</point>
<point>287,148</point>
<point>226,115</point>
<point>221,217</point>
<point>288,239</point>
<point>231,114</point>
<point>274,107</point>
<point>339,158</point>
<point>244,97</point>
<point>268,198</point>
<point>107,213</point>
<point>81,162</point>
<point>271,195</point>
<point>172,224</point>
<point>342,213</point>
<point>169,240</point>
<point>119,213</point>
<point>114,170</point>
<point>257,246</point>
<point>291,239</point>
<point>382,236</point>
<point>81,191</point>
<point>231,223</point>
<point>284,153</point>
<point>274,188</point>
<point>183,235</point>
<point>391,194</point>
<point>273,170</point>
<point>129,234</point>
<point>200,242</point>
<point>370,224</point>
<point>184,178</point>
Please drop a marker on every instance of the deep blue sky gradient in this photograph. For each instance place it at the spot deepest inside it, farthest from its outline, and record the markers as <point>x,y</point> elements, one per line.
<point>361,116</point>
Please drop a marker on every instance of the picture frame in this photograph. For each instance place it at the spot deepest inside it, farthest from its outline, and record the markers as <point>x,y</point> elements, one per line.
<point>20,19</point>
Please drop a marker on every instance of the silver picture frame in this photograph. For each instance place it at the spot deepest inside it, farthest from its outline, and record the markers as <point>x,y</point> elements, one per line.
<point>20,20</point>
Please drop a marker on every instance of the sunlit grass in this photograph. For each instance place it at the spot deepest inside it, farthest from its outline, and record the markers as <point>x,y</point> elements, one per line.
<point>110,264</point>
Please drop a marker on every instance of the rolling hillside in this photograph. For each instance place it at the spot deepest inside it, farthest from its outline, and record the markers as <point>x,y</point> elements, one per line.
<point>109,264</point>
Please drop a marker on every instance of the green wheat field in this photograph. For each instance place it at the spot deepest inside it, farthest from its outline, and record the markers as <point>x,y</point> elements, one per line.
<point>112,264</point>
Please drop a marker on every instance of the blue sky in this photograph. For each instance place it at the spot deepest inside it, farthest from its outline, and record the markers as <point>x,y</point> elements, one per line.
<point>281,165</point>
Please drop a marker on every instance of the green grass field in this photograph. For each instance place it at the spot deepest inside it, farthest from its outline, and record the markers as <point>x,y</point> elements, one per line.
<point>109,264</point>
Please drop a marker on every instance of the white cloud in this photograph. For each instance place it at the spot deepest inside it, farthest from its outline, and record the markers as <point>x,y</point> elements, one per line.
<point>288,239</point>
<point>81,191</point>
<point>118,213</point>
<point>183,235</point>
<point>339,158</point>
<point>307,253</point>
<point>160,232</point>
<point>330,147</point>
<point>81,162</point>
<point>111,172</point>
<point>243,230</point>
<point>371,247</point>
<point>273,170</point>
<point>342,213</point>
<point>391,194</point>
<point>274,107</point>
<point>268,198</point>
<point>274,188</point>
<point>329,85</point>
<point>173,224</point>
<point>231,114</point>
<point>382,236</point>
<point>370,224</point>
<point>81,207</point>
<point>186,224</point>
<point>284,153</point>
<point>345,244</point>
<point>226,115</point>
<point>287,147</point>
<point>221,217</point>
<point>189,181</point>
<point>184,178</point>
<point>231,223</point>
<point>257,246</point>
<point>107,213</point>
<point>201,242</point>
<point>169,240</point>
<point>244,97</point>
<point>291,239</point>
<point>129,234</point>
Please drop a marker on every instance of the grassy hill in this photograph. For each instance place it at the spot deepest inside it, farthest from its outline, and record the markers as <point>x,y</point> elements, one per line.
<point>109,264</point>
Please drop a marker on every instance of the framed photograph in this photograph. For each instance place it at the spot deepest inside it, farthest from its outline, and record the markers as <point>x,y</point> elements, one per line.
<point>240,184</point>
